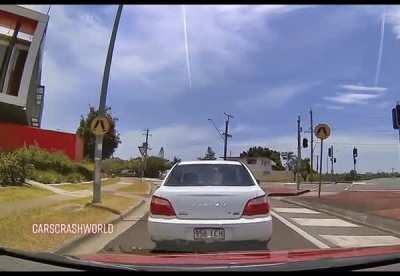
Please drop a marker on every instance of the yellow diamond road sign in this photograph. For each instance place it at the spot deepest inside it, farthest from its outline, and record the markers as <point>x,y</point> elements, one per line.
<point>100,125</point>
<point>322,131</point>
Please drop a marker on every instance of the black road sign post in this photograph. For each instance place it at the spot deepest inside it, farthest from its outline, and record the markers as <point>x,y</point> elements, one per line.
<point>320,168</point>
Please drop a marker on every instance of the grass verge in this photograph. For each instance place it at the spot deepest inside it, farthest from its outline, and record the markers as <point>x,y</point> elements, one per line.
<point>137,188</point>
<point>17,228</point>
<point>86,186</point>
<point>16,193</point>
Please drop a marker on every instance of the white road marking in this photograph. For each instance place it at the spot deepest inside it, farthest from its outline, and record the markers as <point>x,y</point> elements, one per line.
<point>357,241</point>
<point>299,231</point>
<point>295,210</point>
<point>323,222</point>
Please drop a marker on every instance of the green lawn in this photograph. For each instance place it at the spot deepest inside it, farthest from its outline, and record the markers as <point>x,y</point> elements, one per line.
<point>86,186</point>
<point>16,193</point>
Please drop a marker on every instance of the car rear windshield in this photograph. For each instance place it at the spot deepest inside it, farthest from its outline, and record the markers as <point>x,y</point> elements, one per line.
<point>209,175</point>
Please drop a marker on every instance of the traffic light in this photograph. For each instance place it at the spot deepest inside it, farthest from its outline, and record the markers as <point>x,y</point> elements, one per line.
<point>334,160</point>
<point>330,152</point>
<point>396,117</point>
<point>355,152</point>
<point>305,143</point>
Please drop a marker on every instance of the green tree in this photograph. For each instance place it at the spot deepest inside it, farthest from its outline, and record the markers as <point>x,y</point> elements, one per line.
<point>111,139</point>
<point>175,160</point>
<point>155,165</point>
<point>265,152</point>
<point>209,155</point>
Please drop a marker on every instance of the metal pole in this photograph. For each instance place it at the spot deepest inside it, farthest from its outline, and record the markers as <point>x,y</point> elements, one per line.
<point>146,149</point>
<point>320,171</point>
<point>298,154</point>
<point>332,161</point>
<point>312,144</point>
<point>226,137</point>
<point>102,107</point>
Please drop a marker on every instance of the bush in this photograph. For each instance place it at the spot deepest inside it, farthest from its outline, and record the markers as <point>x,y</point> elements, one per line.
<point>53,167</point>
<point>12,169</point>
<point>44,160</point>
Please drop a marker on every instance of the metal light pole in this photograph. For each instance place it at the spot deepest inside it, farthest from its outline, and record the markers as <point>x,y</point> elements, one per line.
<point>98,152</point>
<point>298,153</point>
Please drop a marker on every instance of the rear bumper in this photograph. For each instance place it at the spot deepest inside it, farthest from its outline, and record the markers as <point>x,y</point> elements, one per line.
<point>243,229</point>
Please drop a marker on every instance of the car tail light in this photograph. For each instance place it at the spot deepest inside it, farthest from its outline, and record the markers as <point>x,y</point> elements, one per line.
<point>256,206</point>
<point>161,206</point>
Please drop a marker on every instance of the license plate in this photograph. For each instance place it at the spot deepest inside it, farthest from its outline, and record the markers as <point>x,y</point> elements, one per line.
<point>209,234</point>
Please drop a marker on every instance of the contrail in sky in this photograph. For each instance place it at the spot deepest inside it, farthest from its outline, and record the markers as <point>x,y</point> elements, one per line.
<point>186,46</point>
<point>378,65</point>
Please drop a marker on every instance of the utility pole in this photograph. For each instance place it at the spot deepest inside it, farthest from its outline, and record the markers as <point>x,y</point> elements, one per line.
<point>312,143</point>
<point>146,148</point>
<point>226,134</point>
<point>332,158</point>
<point>98,153</point>
<point>298,153</point>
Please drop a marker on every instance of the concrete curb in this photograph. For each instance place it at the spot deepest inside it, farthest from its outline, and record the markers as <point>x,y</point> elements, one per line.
<point>373,221</point>
<point>70,244</point>
<point>288,193</point>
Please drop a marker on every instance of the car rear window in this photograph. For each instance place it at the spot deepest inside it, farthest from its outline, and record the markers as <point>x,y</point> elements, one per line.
<point>209,175</point>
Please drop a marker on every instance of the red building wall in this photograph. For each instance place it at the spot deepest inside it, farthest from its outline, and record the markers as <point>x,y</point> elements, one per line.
<point>13,136</point>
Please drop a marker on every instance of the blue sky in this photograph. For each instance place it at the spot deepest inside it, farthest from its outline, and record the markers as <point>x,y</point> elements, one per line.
<point>264,64</point>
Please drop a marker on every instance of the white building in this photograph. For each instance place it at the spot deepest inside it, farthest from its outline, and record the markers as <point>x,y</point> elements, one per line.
<point>22,33</point>
<point>258,165</point>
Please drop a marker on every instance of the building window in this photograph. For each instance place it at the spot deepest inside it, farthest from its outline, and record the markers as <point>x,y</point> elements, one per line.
<point>17,68</point>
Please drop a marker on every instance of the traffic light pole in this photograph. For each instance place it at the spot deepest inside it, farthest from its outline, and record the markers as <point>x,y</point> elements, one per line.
<point>298,154</point>
<point>312,144</point>
<point>98,152</point>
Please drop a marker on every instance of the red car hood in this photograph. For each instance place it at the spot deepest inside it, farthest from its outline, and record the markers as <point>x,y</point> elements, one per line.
<point>242,257</point>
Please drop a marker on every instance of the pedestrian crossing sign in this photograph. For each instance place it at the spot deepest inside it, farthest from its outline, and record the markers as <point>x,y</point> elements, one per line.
<point>100,125</point>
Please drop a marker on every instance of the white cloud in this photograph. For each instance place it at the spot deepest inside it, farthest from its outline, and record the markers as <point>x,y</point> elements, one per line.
<point>276,97</point>
<point>351,98</point>
<point>355,88</point>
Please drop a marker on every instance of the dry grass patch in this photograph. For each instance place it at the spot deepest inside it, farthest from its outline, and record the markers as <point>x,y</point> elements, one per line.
<point>17,193</point>
<point>86,186</point>
<point>137,187</point>
<point>17,228</point>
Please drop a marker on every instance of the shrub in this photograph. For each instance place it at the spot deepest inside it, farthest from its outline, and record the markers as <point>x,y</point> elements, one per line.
<point>12,169</point>
<point>44,160</point>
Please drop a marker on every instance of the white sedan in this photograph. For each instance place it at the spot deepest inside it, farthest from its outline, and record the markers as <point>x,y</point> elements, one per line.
<point>209,202</point>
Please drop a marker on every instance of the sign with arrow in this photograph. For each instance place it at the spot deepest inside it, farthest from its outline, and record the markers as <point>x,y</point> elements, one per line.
<point>322,131</point>
<point>100,125</point>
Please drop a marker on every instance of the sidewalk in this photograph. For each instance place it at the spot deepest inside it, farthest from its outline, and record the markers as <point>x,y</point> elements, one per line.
<point>378,209</point>
<point>60,195</point>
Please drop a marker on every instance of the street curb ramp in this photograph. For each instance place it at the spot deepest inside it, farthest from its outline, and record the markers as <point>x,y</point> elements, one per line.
<point>384,224</point>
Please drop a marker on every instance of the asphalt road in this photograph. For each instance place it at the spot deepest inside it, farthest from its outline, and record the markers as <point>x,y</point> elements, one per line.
<point>137,240</point>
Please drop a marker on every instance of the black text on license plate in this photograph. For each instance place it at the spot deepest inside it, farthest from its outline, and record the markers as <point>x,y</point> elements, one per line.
<point>209,234</point>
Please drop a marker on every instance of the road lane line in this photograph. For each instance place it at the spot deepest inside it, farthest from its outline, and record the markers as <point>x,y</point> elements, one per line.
<point>295,210</point>
<point>299,231</point>
<point>323,222</point>
<point>356,241</point>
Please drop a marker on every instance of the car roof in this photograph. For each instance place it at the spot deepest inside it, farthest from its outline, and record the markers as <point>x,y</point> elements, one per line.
<point>200,162</point>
